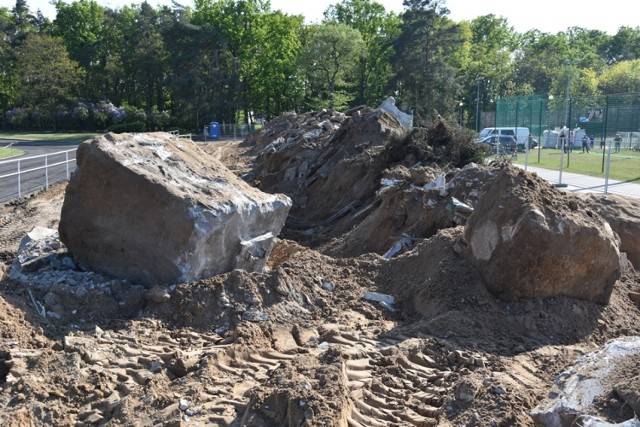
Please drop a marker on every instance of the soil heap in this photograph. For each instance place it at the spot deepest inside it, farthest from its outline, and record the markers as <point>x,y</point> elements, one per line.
<point>355,335</point>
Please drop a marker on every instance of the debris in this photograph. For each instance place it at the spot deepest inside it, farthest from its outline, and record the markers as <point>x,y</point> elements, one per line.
<point>253,315</point>
<point>328,286</point>
<point>401,244</point>
<point>578,389</point>
<point>381,298</point>
<point>186,217</point>
<point>389,105</point>
<point>439,184</point>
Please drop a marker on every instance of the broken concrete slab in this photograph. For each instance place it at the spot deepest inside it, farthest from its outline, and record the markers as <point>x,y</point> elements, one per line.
<point>389,105</point>
<point>154,208</point>
<point>527,240</point>
<point>577,390</point>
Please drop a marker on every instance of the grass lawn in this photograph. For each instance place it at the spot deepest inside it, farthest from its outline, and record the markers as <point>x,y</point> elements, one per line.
<point>625,166</point>
<point>53,137</point>
<point>8,152</point>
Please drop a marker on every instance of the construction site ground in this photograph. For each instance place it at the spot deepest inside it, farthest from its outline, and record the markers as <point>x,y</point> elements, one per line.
<point>445,353</point>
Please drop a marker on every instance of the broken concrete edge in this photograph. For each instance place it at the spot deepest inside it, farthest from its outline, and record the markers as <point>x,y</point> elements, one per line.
<point>577,388</point>
<point>168,212</point>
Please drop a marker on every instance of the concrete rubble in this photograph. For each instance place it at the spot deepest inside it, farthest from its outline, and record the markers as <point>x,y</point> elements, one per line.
<point>525,246</point>
<point>578,389</point>
<point>154,208</point>
<point>403,290</point>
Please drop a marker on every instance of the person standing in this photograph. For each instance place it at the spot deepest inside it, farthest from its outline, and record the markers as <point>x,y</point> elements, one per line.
<point>585,143</point>
<point>563,139</point>
<point>618,141</point>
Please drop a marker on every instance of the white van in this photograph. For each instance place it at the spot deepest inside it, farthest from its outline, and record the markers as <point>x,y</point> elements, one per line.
<point>519,133</point>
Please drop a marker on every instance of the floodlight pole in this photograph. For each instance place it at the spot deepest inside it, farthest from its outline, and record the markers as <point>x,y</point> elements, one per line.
<point>479,80</point>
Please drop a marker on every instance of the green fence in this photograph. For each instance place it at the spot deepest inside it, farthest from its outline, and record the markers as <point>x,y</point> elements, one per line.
<point>600,118</point>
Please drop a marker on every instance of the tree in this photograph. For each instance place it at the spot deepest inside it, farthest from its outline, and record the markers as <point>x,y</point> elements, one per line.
<point>7,92</point>
<point>623,77</point>
<point>240,25</point>
<point>490,46</point>
<point>624,45</point>
<point>377,28</point>
<point>541,60</point>
<point>81,26</point>
<point>278,84</point>
<point>331,52</point>
<point>46,80</point>
<point>424,77</point>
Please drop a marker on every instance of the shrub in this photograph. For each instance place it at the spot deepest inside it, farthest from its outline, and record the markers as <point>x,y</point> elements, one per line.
<point>128,127</point>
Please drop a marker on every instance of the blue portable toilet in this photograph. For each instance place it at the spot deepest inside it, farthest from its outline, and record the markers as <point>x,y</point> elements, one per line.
<point>214,130</point>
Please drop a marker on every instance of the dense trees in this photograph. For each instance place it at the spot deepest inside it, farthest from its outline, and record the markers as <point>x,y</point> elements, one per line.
<point>238,60</point>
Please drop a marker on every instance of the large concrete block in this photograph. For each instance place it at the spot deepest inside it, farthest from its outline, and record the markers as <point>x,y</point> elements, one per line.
<point>529,240</point>
<point>154,208</point>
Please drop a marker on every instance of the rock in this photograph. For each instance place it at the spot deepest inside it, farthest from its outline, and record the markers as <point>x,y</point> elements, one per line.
<point>389,105</point>
<point>527,240</point>
<point>578,390</point>
<point>37,249</point>
<point>158,294</point>
<point>629,392</point>
<point>466,391</point>
<point>622,214</point>
<point>153,208</point>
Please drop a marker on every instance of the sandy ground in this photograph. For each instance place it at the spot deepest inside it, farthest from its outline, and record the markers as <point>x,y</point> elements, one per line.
<point>296,345</point>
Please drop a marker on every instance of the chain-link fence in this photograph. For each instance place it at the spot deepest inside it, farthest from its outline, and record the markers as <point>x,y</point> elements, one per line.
<point>596,135</point>
<point>599,116</point>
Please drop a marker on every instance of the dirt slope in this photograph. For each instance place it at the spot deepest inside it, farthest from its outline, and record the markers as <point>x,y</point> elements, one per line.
<point>296,345</point>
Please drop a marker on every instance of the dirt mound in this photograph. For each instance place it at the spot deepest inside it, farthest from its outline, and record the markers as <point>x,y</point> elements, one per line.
<point>318,338</point>
<point>344,171</point>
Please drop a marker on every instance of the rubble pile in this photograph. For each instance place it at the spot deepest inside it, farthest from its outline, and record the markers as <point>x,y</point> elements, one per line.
<point>359,182</point>
<point>422,288</point>
<point>322,160</point>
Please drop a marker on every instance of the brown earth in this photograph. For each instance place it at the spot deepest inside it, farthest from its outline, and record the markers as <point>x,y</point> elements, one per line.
<point>298,344</point>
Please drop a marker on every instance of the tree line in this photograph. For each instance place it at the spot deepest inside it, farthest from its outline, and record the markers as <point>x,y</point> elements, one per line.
<point>239,61</point>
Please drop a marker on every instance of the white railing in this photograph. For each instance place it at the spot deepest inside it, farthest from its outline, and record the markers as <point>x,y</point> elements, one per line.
<point>28,175</point>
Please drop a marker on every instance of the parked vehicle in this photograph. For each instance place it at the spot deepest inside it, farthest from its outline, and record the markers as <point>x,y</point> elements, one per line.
<point>507,141</point>
<point>519,133</point>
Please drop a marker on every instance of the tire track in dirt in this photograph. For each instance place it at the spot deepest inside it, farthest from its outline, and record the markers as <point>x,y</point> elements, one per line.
<point>398,380</point>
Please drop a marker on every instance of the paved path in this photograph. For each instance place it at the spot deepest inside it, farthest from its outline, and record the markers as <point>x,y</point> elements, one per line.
<point>583,183</point>
<point>33,174</point>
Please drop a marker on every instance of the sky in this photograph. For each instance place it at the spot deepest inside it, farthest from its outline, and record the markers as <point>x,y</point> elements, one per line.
<point>549,16</point>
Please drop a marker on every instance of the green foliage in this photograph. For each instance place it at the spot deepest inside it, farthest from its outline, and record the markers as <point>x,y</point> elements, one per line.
<point>377,27</point>
<point>425,78</point>
<point>46,80</point>
<point>622,77</point>
<point>128,127</point>
<point>330,53</point>
<point>227,60</point>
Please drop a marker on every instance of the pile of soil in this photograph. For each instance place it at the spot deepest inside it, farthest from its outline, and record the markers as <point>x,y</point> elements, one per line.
<point>333,338</point>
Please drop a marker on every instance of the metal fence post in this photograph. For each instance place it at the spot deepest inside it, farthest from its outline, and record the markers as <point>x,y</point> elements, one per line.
<point>46,171</point>
<point>19,189</point>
